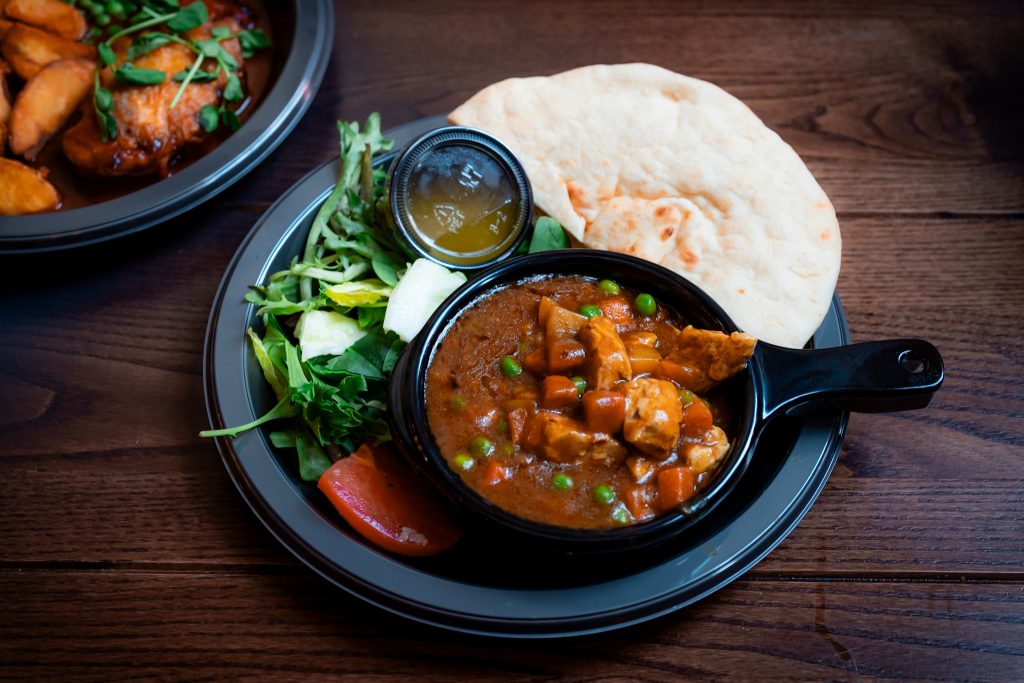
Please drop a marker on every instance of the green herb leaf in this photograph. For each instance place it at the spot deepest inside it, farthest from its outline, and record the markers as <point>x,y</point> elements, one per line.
<point>102,99</point>
<point>221,32</point>
<point>133,75</point>
<point>189,18</point>
<point>547,235</point>
<point>251,41</point>
<point>230,119</point>
<point>146,43</point>
<point>233,88</point>
<point>199,76</point>
<point>107,56</point>
<point>209,117</point>
<point>161,6</point>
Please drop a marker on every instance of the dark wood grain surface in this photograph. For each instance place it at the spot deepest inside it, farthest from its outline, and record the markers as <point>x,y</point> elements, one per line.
<point>126,552</point>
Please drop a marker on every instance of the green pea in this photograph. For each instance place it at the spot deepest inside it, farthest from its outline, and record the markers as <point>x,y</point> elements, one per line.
<point>581,385</point>
<point>645,304</point>
<point>481,446</point>
<point>589,311</point>
<point>457,403</point>
<point>115,8</point>
<point>507,449</point>
<point>503,426</point>
<point>609,287</point>
<point>524,347</point>
<point>102,19</point>
<point>621,515</point>
<point>510,367</point>
<point>686,397</point>
<point>561,481</point>
<point>604,494</point>
<point>463,461</point>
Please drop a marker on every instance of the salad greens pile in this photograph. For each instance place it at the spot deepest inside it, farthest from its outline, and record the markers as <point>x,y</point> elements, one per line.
<point>327,349</point>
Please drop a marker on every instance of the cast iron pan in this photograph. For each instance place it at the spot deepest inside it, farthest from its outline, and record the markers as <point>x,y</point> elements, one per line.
<point>303,35</point>
<point>483,585</point>
<point>869,377</point>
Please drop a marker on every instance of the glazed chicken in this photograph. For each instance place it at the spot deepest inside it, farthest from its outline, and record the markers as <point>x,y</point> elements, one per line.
<point>150,134</point>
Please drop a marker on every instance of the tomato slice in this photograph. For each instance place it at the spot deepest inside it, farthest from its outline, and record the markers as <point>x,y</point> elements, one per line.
<point>386,503</point>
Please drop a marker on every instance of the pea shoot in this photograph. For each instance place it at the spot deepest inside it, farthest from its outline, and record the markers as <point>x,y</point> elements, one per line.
<point>645,305</point>
<point>481,446</point>
<point>603,494</point>
<point>590,311</point>
<point>609,287</point>
<point>510,367</point>
<point>561,481</point>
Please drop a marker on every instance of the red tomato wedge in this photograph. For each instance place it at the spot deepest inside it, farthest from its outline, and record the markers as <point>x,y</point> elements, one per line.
<point>383,499</point>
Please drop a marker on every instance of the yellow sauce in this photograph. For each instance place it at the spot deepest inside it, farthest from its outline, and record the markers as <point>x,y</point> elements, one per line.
<point>462,203</point>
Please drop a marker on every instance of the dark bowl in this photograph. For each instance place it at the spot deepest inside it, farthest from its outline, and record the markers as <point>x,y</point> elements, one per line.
<point>303,34</point>
<point>869,377</point>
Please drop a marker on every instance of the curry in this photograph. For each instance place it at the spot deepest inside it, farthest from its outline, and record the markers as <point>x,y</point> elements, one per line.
<point>576,403</point>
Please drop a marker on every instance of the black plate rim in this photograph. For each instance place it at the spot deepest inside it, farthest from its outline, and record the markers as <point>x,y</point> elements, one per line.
<point>284,106</point>
<point>816,451</point>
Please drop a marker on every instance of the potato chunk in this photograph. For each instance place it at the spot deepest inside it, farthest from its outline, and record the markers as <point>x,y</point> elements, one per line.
<point>25,190</point>
<point>50,15</point>
<point>28,49</point>
<point>46,102</point>
<point>5,108</point>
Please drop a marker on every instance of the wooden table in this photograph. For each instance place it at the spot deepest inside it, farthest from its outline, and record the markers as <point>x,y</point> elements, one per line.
<point>126,550</point>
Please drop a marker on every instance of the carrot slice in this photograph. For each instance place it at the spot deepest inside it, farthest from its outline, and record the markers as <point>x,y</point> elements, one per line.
<point>617,309</point>
<point>535,362</point>
<point>684,375</point>
<point>557,392</point>
<point>387,504</point>
<point>697,419</point>
<point>565,355</point>
<point>604,410</point>
<point>675,484</point>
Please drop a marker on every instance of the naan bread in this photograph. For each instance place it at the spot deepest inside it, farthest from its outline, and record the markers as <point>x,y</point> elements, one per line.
<point>637,159</point>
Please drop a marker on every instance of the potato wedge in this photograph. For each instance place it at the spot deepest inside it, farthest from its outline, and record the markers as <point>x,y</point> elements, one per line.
<point>50,15</point>
<point>28,49</point>
<point>46,103</point>
<point>5,108</point>
<point>23,189</point>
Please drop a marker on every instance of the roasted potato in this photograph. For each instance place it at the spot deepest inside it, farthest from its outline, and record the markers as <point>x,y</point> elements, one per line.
<point>25,190</point>
<point>28,49</point>
<point>50,15</point>
<point>5,108</point>
<point>46,102</point>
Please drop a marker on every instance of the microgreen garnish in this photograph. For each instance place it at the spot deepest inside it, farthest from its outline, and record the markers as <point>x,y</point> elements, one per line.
<point>177,20</point>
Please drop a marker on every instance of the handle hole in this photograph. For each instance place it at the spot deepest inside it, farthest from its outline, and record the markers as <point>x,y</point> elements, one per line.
<point>912,362</point>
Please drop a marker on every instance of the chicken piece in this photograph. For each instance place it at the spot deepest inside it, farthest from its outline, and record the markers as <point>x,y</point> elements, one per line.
<point>653,414</point>
<point>607,359</point>
<point>640,467</point>
<point>607,451</point>
<point>705,456</point>
<point>714,356</point>
<point>560,438</point>
<point>149,132</point>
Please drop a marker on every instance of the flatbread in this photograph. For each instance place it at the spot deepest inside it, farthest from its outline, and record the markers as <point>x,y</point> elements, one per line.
<point>637,159</point>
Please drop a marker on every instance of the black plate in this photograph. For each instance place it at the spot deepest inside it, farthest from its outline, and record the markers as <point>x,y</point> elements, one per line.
<point>481,586</point>
<point>304,32</point>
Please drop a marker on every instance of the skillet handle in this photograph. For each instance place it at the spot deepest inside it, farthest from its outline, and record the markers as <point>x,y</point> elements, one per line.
<point>871,377</point>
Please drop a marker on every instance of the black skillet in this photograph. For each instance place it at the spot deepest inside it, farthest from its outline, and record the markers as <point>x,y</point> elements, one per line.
<point>881,376</point>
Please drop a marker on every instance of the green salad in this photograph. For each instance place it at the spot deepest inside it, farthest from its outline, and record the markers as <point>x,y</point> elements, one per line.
<point>336,321</point>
